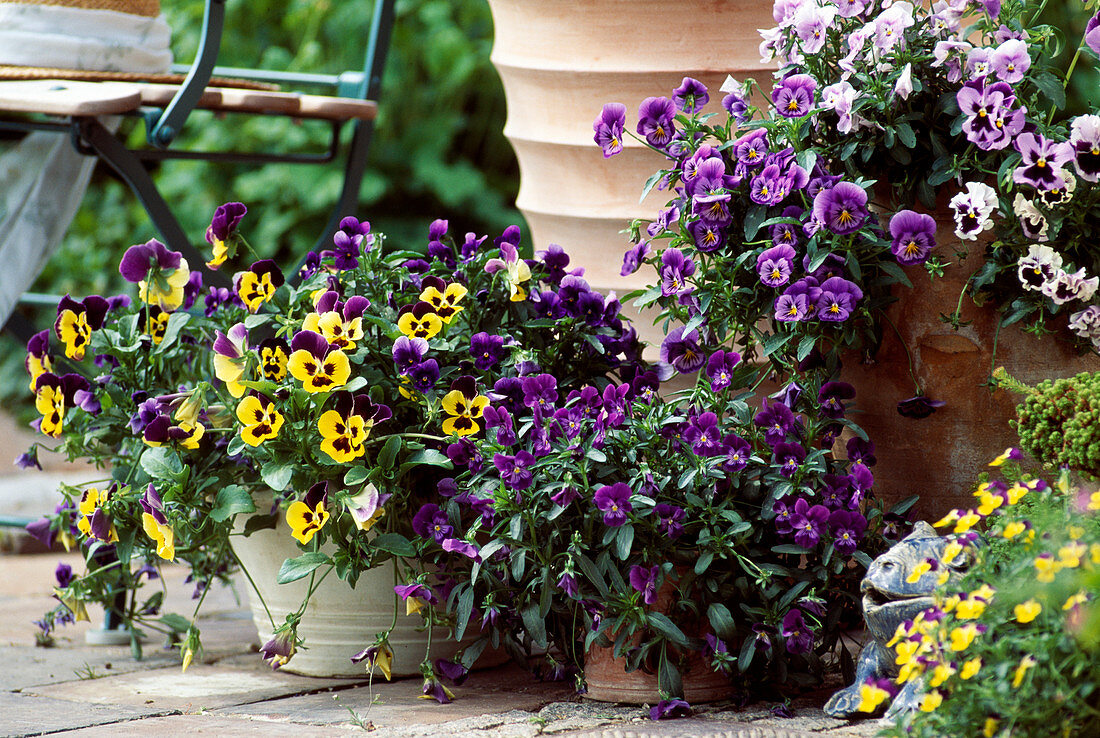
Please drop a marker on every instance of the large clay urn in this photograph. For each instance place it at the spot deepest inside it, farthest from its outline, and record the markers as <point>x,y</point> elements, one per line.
<point>560,62</point>
<point>940,456</point>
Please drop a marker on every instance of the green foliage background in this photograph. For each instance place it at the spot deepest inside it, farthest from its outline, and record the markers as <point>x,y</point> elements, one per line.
<point>438,150</point>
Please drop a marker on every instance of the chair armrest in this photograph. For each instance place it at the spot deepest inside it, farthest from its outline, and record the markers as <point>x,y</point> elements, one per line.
<point>164,129</point>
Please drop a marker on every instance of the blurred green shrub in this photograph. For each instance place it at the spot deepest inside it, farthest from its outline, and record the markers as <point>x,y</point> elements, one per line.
<point>438,149</point>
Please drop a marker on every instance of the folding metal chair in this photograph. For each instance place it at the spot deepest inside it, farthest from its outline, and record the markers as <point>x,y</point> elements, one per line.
<point>75,107</point>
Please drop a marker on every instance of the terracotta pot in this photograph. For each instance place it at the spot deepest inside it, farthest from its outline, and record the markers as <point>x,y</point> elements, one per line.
<point>939,457</point>
<point>560,62</point>
<point>609,681</point>
<point>339,621</point>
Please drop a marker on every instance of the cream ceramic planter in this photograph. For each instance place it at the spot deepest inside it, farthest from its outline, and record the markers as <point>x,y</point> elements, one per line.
<point>560,62</point>
<point>339,621</point>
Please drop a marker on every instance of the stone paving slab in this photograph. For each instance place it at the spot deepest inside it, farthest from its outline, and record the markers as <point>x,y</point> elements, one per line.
<point>399,704</point>
<point>202,687</point>
<point>187,725</point>
<point>23,714</point>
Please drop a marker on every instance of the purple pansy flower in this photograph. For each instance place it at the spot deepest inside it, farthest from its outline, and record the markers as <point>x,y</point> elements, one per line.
<point>1010,60</point>
<point>515,470</point>
<point>424,375</point>
<point>808,523</point>
<point>847,527</point>
<point>841,208</point>
<point>690,96</point>
<point>675,269</point>
<point>655,121</point>
<point>486,349</point>
<point>568,584</point>
<point>914,236</point>
<point>614,501</point>
<point>1092,33</point>
<point>720,368</point>
<point>991,120</point>
<point>738,452</point>
<point>682,350</point>
<point>540,391</point>
<point>838,299</point>
<point>139,259</point>
<point>796,632</point>
<point>669,709</point>
<point>919,406</point>
<point>350,239</point>
<point>775,265</point>
<point>708,236</point>
<point>408,353</point>
<point>1085,140</point>
<point>670,520</point>
<point>831,397</point>
<point>790,457</point>
<point>644,580</point>
<point>608,128</point>
<point>776,419</point>
<point>1043,161</point>
<point>793,96</point>
<point>634,257</point>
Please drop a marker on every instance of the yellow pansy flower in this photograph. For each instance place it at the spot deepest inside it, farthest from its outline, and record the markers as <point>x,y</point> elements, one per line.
<point>1026,663</point>
<point>1027,611</point>
<point>261,421</point>
<point>970,668</point>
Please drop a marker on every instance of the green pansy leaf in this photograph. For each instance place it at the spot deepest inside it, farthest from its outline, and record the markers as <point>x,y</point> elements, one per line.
<point>661,623</point>
<point>430,457</point>
<point>389,452</point>
<point>230,501</point>
<point>394,543</point>
<point>176,623</point>
<point>776,342</point>
<point>624,539</point>
<point>789,548</point>
<point>465,607</point>
<point>668,676</point>
<point>753,218</point>
<point>534,625</point>
<point>277,476</point>
<point>161,462</point>
<point>721,620</point>
<point>294,569</point>
<point>355,475</point>
<point>260,522</point>
<point>176,322</point>
<point>255,321</point>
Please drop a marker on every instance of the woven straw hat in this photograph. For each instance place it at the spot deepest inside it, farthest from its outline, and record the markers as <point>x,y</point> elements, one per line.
<point>145,8</point>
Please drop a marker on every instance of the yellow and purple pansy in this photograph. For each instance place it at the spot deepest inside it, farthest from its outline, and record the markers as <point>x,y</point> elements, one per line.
<point>463,405</point>
<point>230,357</point>
<point>161,431</point>
<point>443,297</point>
<point>76,321</point>
<point>222,234</point>
<point>156,323</point>
<point>38,356</point>
<point>419,321</point>
<point>53,396</point>
<point>259,418</point>
<point>345,428</point>
<point>367,507</point>
<point>257,285</point>
<point>341,323</point>
<point>155,524</point>
<point>306,517</point>
<point>516,270</point>
<point>317,364</point>
<point>161,275</point>
<point>274,355</point>
<point>93,521</point>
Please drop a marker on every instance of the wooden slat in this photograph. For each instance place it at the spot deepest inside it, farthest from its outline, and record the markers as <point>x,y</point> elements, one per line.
<point>67,97</point>
<point>224,99</point>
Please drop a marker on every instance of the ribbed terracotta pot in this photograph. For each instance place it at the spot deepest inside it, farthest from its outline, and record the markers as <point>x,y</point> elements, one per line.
<point>608,680</point>
<point>339,621</point>
<point>940,456</point>
<point>560,62</point>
